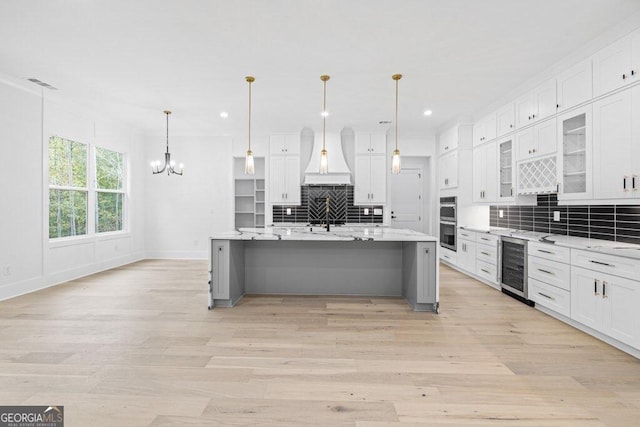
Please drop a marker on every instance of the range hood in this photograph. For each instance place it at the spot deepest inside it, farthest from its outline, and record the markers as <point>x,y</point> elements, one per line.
<point>339,172</point>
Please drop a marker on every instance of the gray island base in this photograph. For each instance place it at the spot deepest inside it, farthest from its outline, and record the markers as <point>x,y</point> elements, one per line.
<point>310,261</point>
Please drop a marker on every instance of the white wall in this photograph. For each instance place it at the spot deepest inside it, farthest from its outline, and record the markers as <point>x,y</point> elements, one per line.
<point>181,212</point>
<point>27,118</point>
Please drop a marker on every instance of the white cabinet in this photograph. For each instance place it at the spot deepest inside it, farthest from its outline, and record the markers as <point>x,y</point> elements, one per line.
<point>606,303</point>
<point>505,119</point>
<point>616,65</point>
<point>616,163</point>
<point>537,141</point>
<point>484,129</point>
<point>370,186</point>
<point>574,157</point>
<point>487,257</point>
<point>448,171</point>
<point>549,274</point>
<point>448,140</point>
<point>575,85</point>
<point>284,144</point>
<point>485,173</point>
<point>284,169</point>
<point>466,254</point>
<point>506,170</point>
<point>537,104</point>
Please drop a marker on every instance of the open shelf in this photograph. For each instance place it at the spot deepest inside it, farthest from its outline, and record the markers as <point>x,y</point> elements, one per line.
<point>249,195</point>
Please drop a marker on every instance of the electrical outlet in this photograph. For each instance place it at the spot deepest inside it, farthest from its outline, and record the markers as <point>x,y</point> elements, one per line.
<point>500,213</point>
<point>556,215</point>
<point>288,211</point>
<point>366,211</point>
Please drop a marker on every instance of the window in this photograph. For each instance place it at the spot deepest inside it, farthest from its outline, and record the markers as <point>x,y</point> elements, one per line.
<point>73,209</point>
<point>109,190</point>
<point>67,188</point>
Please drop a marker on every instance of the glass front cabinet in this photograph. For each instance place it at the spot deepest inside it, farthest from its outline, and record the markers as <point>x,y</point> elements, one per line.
<point>574,154</point>
<point>505,162</point>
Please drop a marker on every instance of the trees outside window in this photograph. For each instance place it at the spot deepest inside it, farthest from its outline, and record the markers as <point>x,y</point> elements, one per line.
<point>109,190</point>
<point>67,188</point>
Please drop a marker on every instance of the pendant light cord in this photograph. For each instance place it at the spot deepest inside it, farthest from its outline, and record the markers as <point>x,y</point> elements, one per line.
<point>250,81</point>
<point>167,113</point>
<point>397,114</point>
<point>324,111</point>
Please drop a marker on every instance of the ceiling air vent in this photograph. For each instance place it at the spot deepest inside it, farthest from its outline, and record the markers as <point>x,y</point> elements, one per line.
<point>385,122</point>
<point>41,83</point>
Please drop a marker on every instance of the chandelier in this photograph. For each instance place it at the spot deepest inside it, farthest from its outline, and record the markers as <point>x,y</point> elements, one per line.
<point>169,165</point>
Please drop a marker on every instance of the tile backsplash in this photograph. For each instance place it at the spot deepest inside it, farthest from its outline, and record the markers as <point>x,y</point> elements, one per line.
<point>609,222</point>
<point>312,207</point>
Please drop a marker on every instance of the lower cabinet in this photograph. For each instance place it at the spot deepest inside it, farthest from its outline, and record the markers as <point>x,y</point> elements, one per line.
<point>219,269</point>
<point>606,303</point>
<point>449,256</point>
<point>466,255</point>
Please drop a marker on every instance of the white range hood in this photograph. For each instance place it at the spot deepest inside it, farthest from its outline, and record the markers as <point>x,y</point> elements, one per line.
<point>339,172</point>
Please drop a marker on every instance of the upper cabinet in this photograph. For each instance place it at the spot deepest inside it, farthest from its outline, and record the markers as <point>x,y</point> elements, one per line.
<point>506,119</point>
<point>370,186</point>
<point>284,144</point>
<point>574,158</point>
<point>616,158</point>
<point>616,65</point>
<point>506,170</point>
<point>536,104</point>
<point>484,129</point>
<point>575,85</point>
<point>371,143</point>
<point>448,170</point>
<point>537,141</point>
<point>455,137</point>
<point>284,169</point>
<point>485,176</point>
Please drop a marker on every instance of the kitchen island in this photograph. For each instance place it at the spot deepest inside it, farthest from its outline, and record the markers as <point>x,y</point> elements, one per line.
<point>362,261</point>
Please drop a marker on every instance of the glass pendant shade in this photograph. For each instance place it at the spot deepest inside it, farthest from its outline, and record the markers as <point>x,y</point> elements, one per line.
<point>249,166</point>
<point>395,162</point>
<point>324,162</point>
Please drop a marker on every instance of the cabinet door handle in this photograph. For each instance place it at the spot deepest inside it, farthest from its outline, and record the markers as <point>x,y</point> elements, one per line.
<point>426,251</point>
<point>595,287</point>
<point>601,263</point>
<point>633,182</point>
<point>624,76</point>
<point>604,290</point>
<point>446,148</point>
<point>624,183</point>
<point>511,126</point>
<point>546,271</point>
<point>633,72</point>
<point>546,296</point>
<point>533,116</point>
<point>529,117</point>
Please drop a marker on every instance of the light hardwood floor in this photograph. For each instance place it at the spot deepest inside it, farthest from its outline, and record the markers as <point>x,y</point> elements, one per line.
<point>136,346</point>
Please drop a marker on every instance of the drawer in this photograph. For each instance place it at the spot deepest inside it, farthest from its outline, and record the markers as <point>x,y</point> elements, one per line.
<point>611,264</point>
<point>466,235</point>
<point>487,254</point>
<point>487,271</point>
<point>487,239</point>
<point>551,272</point>
<point>448,256</point>
<point>558,300</point>
<point>548,251</point>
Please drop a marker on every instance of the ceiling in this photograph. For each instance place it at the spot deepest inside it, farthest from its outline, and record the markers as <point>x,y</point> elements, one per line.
<point>134,59</point>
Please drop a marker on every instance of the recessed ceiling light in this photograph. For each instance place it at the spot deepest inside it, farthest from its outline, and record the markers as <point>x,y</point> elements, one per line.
<point>428,113</point>
<point>224,114</point>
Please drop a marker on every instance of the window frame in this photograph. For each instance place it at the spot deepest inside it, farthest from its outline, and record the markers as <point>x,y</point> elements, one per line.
<point>96,190</point>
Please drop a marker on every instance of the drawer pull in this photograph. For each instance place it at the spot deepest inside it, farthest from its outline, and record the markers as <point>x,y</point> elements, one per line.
<point>546,296</point>
<point>546,252</point>
<point>482,269</point>
<point>485,253</point>
<point>484,238</point>
<point>604,290</point>
<point>546,271</point>
<point>601,263</point>
<point>595,287</point>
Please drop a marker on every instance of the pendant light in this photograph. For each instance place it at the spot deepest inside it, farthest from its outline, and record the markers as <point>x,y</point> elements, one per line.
<point>249,166</point>
<point>395,160</point>
<point>169,165</point>
<point>324,162</point>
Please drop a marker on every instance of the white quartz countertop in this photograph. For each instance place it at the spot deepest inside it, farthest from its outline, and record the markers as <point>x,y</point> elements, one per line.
<point>628,250</point>
<point>317,233</point>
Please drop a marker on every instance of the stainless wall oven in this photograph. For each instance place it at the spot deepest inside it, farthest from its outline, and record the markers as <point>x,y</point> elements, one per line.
<point>448,222</point>
<point>513,268</point>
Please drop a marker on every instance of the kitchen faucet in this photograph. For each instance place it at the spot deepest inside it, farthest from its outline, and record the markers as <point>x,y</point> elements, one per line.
<point>327,209</point>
